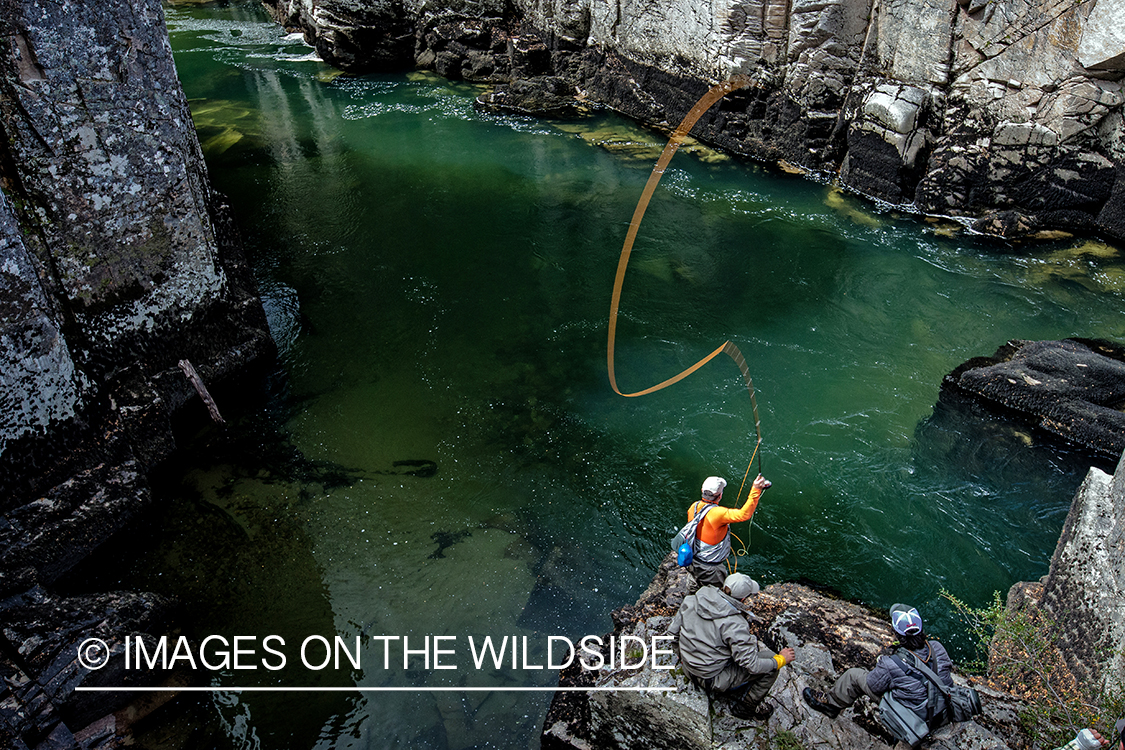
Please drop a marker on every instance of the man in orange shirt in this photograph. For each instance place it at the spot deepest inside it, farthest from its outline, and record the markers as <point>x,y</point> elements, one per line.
<point>712,544</point>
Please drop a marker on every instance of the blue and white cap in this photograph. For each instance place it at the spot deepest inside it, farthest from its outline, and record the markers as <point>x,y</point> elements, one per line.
<point>906,620</point>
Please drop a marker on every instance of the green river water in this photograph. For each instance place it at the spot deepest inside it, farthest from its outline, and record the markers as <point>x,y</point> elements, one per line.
<point>438,282</point>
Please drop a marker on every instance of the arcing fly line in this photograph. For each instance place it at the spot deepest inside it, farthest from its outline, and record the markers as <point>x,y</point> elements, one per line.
<point>729,348</point>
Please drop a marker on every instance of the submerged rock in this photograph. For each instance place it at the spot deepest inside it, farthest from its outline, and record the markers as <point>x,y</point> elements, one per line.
<point>1073,389</point>
<point>545,96</point>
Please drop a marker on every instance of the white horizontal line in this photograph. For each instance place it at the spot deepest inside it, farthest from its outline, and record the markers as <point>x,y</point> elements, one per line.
<point>371,689</point>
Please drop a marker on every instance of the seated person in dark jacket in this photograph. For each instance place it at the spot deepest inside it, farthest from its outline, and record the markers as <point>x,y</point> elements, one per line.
<point>908,687</point>
<point>717,650</point>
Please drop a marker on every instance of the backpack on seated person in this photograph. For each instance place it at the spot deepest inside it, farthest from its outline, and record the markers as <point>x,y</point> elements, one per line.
<point>963,702</point>
<point>943,704</point>
<point>685,550</point>
<point>909,725</point>
<point>902,722</point>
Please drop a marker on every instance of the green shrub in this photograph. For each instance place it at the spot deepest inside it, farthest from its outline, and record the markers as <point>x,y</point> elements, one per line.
<point>1018,653</point>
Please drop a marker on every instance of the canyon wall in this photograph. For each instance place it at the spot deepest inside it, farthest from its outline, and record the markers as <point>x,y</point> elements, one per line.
<point>117,261</point>
<point>116,258</point>
<point>1006,114</point>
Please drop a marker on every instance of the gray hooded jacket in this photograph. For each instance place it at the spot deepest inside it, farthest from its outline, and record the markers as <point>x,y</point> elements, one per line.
<point>713,632</point>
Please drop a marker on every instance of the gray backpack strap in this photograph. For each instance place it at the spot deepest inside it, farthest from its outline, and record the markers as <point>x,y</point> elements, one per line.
<point>691,528</point>
<point>921,666</point>
<point>962,703</point>
<point>698,519</point>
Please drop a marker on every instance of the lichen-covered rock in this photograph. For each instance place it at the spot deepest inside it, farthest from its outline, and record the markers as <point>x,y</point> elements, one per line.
<point>116,258</point>
<point>1086,584</point>
<point>111,178</point>
<point>38,381</point>
<point>116,261</point>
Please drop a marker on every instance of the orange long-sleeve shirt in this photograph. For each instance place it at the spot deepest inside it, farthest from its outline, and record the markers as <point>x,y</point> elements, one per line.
<point>713,528</point>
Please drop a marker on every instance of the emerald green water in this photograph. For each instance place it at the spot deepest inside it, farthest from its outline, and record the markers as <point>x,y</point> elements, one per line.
<point>438,282</point>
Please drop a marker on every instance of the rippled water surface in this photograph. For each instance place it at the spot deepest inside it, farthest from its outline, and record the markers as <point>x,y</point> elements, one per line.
<point>439,451</point>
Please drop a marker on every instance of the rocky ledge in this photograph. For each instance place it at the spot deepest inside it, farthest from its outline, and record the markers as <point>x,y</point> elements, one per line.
<point>829,636</point>
<point>1081,593</point>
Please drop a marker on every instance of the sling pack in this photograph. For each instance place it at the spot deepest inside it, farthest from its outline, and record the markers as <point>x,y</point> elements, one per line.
<point>902,722</point>
<point>906,724</point>
<point>685,551</point>
<point>964,702</point>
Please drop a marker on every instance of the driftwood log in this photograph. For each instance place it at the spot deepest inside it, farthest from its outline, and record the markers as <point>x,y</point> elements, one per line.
<point>201,389</point>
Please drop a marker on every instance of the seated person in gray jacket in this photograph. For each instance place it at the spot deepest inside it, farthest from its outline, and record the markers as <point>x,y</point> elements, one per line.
<point>909,687</point>
<point>717,650</point>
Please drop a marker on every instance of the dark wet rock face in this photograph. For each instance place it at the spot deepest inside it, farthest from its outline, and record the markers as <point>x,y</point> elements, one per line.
<point>1074,388</point>
<point>117,260</point>
<point>56,532</point>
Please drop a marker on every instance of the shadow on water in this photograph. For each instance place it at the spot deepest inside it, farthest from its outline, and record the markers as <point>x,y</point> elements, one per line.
<point>983,445</point>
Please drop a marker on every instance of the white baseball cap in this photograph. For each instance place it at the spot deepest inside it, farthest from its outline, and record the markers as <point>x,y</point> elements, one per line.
<point>713,486</point>
<point>741,585</point>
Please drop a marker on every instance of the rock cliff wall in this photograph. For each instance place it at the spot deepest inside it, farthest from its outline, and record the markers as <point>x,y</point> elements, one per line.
<point>1085,587</point>
<point>116,262</point>
<point>1005,113</point>
<point>115,257</point>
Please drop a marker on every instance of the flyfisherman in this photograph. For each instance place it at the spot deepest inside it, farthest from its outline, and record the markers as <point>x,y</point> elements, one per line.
<point>719,653</point>
<point>713,534</point>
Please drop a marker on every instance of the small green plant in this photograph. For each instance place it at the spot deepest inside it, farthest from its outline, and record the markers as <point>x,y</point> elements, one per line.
<point>1018,653</point>
<point>786,740</point>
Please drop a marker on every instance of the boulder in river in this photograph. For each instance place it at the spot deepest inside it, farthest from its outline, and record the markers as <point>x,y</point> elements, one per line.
<point>1073,388</point>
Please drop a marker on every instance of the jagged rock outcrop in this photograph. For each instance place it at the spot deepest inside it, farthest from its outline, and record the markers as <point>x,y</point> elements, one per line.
<point>1072,389</point>
<point>39,707</point>
<point>829,636</point>
<point>1005,113</point>
<point>1085,587</point>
